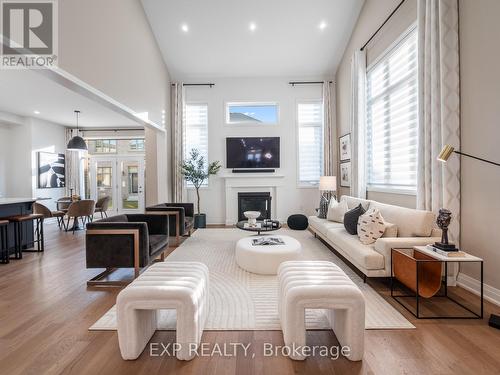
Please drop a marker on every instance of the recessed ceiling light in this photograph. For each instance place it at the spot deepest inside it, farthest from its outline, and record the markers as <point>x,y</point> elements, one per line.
<point>185,27</point>
<point>322,25</point>
<point>252,26</point>
<point>36,112</point>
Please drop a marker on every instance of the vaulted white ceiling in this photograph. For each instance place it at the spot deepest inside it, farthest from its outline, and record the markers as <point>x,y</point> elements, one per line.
<point>292,38</point>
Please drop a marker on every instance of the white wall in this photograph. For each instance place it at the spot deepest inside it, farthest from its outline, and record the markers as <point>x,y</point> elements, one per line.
<point>480,126</point>
<point>298,200</point>
<point>47,137</point>
<point>4,152</point>
<point>17,160</point>
<point>19,144</point>
<point>110,46</point>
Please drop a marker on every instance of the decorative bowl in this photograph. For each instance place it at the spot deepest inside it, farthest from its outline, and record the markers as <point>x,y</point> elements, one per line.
<point>252,217</point>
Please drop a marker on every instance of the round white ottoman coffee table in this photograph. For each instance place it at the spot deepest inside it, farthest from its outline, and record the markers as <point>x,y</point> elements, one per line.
<point>265,259</point>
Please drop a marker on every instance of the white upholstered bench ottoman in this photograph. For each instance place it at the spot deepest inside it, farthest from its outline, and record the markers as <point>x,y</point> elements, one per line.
<point>320,285</point>
<point>165,285</point>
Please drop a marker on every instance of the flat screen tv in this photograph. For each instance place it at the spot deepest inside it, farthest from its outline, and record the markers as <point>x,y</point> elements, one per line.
<point>253,152</point>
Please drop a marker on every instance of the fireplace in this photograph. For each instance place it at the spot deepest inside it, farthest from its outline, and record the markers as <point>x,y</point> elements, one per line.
<point>254,202</point>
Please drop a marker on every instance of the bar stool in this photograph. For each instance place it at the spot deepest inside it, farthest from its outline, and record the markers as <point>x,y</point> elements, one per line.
<point>18,233</point>
<point>4,241</point>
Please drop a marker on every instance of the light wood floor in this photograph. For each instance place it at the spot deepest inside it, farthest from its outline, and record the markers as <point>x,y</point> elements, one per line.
<point>46,309</point>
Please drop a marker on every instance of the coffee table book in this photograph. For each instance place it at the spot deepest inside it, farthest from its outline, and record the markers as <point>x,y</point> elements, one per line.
<point>461,256</point>
<point>448,253</point>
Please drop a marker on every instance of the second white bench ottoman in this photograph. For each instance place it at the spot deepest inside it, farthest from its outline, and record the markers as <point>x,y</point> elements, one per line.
<point>165,285</point>
<point>320,285</point>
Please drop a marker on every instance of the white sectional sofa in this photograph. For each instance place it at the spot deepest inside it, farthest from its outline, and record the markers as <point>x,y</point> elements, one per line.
<point>415,228</point>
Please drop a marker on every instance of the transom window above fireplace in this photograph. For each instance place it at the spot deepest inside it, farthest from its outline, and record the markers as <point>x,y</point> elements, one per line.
<point>251,113</point>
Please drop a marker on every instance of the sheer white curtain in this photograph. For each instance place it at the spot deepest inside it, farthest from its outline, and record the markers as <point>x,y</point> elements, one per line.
<point>357,123</point>
<point>438,184</point>
<point>329,130</point>
<point>72,166</point>
<point>178,119</point>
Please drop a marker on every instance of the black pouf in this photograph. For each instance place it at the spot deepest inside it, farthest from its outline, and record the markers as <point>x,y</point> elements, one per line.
<point>297,222</point>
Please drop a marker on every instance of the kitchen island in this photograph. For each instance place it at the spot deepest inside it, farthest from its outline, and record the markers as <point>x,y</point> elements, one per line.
<point>18,206</point>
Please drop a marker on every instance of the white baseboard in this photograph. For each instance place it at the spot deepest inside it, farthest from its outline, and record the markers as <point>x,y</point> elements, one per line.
<point>452,280</point>
<point>472,285</point>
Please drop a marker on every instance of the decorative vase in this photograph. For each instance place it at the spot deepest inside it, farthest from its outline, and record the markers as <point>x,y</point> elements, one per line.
<point>252,217</point>
<point>324,202</point>
<point>200,221</point>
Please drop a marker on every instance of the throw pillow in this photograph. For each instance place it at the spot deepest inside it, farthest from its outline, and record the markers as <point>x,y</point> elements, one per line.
<point>337,210</point>
<point>351,219</point>
<point>371,226</point>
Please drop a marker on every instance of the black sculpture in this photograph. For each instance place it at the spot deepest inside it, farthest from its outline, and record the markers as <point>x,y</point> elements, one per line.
<point>443,221</point>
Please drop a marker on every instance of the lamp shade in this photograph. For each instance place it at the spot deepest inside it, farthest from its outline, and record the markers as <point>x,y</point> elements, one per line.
<point>445,153</point>
<point>328,183</point>
<point>77,143</point>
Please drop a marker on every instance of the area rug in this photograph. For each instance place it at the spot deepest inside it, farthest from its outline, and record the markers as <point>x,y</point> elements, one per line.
<point>240,300</point>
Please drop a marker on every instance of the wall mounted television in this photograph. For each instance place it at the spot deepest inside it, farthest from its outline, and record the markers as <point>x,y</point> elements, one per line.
<point>252,152</point>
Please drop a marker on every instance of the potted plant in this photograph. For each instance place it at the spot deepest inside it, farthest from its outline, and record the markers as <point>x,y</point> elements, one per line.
<point>196,172</point>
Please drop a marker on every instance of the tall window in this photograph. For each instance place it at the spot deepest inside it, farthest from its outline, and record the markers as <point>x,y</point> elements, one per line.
<point>196,130</point>
<point>392,117</point>
<point>310,142</point>
<point>136,145</point>
<point>102,146</point>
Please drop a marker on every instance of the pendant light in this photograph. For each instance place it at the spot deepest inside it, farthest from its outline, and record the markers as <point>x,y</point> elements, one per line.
<point>77,143</point>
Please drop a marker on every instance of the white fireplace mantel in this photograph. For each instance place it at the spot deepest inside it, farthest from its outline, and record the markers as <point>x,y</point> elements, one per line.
<point>235,183</point>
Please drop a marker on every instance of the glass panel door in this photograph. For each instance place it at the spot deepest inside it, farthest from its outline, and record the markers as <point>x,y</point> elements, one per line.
<point>105,184</point>
<point>131,186</point>
<point>121,179</point>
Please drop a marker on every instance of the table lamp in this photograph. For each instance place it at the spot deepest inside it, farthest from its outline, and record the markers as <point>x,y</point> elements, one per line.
<point>444,155</point>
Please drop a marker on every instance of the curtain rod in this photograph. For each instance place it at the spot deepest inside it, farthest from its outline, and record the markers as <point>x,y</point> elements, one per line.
<point>383,24</point>
<point>293,83</point>
<point>109,130</point>
<point>197,84</point>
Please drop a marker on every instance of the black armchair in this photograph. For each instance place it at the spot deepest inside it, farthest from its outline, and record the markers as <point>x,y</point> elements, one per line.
<point>184,213</point>
<point>125,241</point>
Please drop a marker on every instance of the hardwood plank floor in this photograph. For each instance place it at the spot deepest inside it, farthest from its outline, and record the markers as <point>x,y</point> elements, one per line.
<point>46,309</point>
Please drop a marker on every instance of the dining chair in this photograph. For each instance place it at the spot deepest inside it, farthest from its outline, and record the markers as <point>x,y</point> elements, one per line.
<point>80,209</point>
<point>63,203</point>
<point>102,205</point>
<point>39,208</point>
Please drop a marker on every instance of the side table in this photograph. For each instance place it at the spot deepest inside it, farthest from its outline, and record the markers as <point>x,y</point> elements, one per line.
<point>433,257</point>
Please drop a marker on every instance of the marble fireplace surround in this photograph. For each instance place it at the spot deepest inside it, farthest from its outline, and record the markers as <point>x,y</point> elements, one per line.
<point>235,183</point>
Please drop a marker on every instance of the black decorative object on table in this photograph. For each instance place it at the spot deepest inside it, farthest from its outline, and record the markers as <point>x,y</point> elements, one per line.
<point>443,221</point>
<point>351,219</point>
<point>297,222</point>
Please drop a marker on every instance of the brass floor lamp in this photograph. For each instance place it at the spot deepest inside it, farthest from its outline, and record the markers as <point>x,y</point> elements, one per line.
<point>444,155</point>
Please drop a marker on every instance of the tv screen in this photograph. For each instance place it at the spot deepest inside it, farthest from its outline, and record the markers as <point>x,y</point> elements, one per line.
<point>253,152</point>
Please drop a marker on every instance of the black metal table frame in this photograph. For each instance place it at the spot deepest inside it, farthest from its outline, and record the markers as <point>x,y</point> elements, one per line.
<point>255,229</point>
<point>444,295</point>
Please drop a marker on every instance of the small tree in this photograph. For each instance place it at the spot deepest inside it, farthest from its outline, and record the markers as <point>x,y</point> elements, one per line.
<point>194,171</point>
